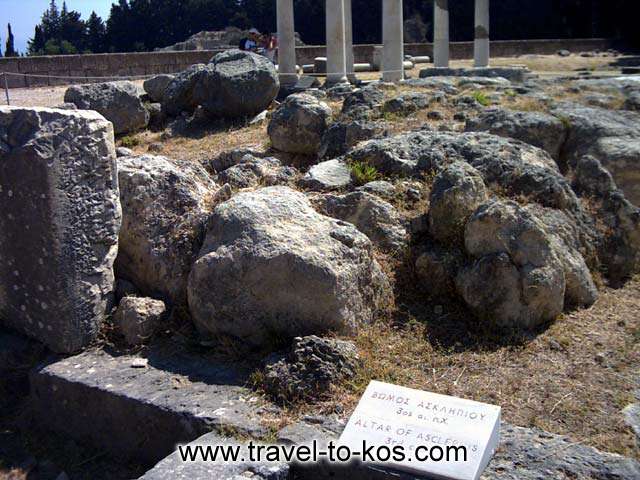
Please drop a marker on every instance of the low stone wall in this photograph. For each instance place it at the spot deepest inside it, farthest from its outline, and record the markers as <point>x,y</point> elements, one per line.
<point>56,70</point>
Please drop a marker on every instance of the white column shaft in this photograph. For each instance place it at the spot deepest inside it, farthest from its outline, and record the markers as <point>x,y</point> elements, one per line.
<point>481,43</point>
<point>393,38</point>
<point>286,43</point>
<point>441,33</point>
<point>348,38</point>
<point>336,55</point>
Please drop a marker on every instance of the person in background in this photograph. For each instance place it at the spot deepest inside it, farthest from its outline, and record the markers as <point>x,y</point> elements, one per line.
<point>270,46</point>
<point>250,43</point>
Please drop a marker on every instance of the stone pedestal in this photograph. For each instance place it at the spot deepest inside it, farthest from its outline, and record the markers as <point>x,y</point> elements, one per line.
<point>481,44</point>
<point>393,38</point>
<point>336,54</point>
<point>441,33</point>
<point>286,43</point>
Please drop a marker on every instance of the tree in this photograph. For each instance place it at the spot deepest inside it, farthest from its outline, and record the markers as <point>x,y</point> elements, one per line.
<point>36,44</point>
<point>10,50</point>
<point>96,33</point>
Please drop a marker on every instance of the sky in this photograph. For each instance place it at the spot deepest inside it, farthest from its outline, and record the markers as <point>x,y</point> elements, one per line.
<point>24,15</point>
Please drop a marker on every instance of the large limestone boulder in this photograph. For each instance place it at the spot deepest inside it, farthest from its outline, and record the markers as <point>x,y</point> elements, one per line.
<point>237,84</point>
<point>298,124</point>
<point>234,84</point>
<point>179,95</point>
<point>564,235</point>
<point>377,219</point>
<point>535,128</point>
<point>118,102</point>
<point>456,193</point>
<point>59,223</point>
<point>516,167</point>
<point>517,280</point>
<point>610,136</point>
<point>156,86</point>
<point>272,266</point>
<point>164,210</point>
<point>341,136</point>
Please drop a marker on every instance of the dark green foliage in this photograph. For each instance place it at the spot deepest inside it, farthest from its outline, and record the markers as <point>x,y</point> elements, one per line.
<point>10,50</point>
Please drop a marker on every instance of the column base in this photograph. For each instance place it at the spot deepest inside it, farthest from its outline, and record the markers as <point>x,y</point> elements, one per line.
<point>288,79</point>
<point>336,80</point>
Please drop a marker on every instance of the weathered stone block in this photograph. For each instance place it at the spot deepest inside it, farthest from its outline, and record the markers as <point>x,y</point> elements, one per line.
<point>174,468</point>
<point>59,223</point>
<point>140,408</point>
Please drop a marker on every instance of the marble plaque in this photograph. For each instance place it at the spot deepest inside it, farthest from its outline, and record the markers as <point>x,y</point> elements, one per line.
<point>389,415</point>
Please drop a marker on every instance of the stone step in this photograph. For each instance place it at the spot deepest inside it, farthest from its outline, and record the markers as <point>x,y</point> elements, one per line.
<point>173,468</point>
<point>524,454</point>
<point>139,406</point>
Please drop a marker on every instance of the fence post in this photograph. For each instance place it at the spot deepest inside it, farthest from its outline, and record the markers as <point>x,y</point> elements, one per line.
<point>6,88</point>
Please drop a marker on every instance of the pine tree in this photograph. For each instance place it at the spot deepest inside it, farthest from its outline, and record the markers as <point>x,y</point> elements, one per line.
<point>95,34</point>
<point>36,44</point>
<point>10,50</point>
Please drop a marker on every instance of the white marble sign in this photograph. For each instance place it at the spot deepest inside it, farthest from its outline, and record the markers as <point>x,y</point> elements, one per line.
<point>389,415</point>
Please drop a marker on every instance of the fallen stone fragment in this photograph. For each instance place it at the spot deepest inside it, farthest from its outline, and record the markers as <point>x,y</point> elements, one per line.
<point>139,318</point>
<point>118,102</point>
<point>330,175</point>
<point>298,124</point>
<point>308,370</point>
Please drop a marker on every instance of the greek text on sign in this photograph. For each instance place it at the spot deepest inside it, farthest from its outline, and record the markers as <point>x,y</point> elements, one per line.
<point>391,415</point>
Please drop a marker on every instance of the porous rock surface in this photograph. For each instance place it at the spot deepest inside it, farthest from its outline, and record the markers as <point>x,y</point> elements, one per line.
<point>376,218</point>
<point>298,124</point>
<point>535,128</point>
<point>309,368</point>
<point>119,102</point>
<point>59,223</point>
<point>341,136</point>
<point>251,171</point>
<point>328,175</point>
<point>612,137</point>
<point>516,167</point>
<point>363,104</point>
<point>156,86</point>
<point>456,192</point>
<point>234,84</point>
<point>164,210</point>
<point>271,264</point>
<point>139,318</point>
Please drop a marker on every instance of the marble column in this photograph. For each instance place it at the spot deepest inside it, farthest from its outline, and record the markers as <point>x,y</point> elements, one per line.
<point>286,43</point>
<point>441,33</point>
<point>393,39</point>
<point>336,54</point>
<point>481,43</point>
<point>348,40</point>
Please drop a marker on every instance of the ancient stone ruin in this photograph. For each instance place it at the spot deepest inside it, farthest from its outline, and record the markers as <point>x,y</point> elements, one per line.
<point>212,296</point>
